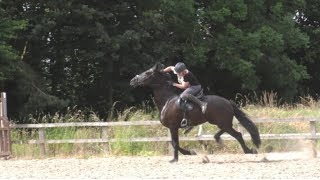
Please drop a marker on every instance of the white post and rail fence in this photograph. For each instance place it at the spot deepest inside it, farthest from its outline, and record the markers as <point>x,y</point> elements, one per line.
<point>42,141</point>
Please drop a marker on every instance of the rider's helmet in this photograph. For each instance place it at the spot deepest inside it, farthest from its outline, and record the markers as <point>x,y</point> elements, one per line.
<point>179,67</point>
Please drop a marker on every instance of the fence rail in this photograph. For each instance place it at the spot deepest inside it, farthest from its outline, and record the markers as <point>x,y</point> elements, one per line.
<point>42,141</point>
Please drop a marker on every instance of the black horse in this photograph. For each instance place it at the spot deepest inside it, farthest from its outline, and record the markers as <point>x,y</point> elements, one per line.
<point>220,111</point>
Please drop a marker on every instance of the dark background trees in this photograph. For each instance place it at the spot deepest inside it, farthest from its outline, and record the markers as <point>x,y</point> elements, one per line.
<point>58,54</point>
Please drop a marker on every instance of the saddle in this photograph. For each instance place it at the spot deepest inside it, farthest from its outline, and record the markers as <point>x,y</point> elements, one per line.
<point>188,105</point>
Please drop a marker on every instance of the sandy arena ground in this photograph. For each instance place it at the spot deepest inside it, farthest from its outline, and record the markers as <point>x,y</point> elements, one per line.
<point>292,165</point>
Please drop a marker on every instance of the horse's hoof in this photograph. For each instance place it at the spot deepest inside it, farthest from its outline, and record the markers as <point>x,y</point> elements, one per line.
<point>251,151</point>
<point>254,151</point>
<point>173,160</point>
<point>192,152</point>
<point>219,142</point>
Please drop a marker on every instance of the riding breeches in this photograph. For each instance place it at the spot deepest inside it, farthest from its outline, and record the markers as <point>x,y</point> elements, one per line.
<point>193,90</point>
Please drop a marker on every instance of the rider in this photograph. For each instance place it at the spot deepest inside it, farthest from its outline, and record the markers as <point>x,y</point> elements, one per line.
<point>189,83</point>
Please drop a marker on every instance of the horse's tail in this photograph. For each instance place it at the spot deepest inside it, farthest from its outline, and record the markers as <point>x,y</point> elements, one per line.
<point>248,124</point>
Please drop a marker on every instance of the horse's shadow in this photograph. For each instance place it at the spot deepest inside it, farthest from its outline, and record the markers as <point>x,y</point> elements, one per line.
<point>264,158</point>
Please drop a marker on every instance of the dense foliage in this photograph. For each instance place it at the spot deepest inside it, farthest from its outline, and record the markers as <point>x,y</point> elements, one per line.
<point>58,54</point>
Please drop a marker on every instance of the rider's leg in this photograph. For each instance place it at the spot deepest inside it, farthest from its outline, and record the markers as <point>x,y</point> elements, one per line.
<point>188,94</point>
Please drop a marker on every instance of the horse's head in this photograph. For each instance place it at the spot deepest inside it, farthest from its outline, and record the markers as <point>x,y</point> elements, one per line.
<point>152,76</point>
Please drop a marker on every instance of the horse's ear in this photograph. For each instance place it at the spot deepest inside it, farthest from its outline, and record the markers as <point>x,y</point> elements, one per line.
<point>158,67</point>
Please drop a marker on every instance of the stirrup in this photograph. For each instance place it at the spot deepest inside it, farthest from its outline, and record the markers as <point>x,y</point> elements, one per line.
<point>184,123</point>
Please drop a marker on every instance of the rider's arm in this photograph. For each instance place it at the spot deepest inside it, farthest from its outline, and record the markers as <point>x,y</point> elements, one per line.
<point>184,85</point>
<point>168,69</point>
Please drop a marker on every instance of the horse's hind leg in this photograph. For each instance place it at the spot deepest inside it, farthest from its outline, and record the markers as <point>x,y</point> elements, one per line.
<point>239,138</point>
<point>217,136</point>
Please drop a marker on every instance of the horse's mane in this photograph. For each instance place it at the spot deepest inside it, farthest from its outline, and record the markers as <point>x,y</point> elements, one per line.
<point>163,78</point>
<point>167,75</point>
<point>159,67</point>
<point>168,78</point>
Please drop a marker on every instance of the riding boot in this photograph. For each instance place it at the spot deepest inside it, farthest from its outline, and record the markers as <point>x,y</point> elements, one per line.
<point>202,105</point>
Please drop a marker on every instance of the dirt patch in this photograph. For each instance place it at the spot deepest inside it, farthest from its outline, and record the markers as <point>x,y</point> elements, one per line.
<point>293,165</point>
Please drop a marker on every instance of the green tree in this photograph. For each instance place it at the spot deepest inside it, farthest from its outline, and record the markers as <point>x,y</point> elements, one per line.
<point>9,56</point>
<point>254,41</point>
<point>308,19</point>
<point>83,53</point>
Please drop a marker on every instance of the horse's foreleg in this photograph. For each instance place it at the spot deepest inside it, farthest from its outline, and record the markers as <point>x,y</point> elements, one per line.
<point>187,152</point>
<point>175,144</point>
<point>188,130</point>
<point>176,147</point>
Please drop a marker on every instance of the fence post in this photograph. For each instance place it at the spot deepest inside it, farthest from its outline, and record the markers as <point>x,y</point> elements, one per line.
<point>240,128</point>
<point>4,105</point>
<point>170,148</point>
<point>313,131</point>
<point>5,143</point>
<point>42,143</point>
<point>105,136</point>
<point>200,131</point>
